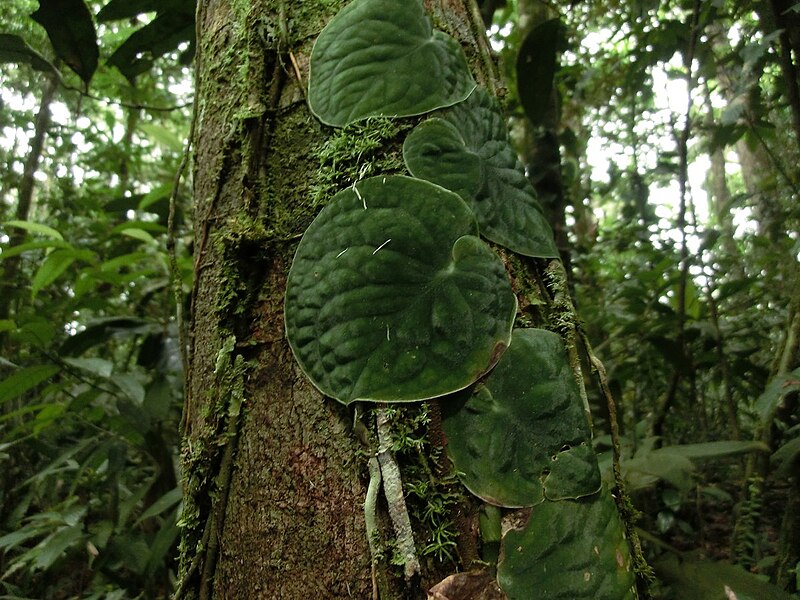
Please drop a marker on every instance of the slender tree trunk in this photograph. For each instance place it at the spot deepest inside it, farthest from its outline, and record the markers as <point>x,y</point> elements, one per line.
<point>275,479</point>
<point>540,146</point>
<point>8,282</point>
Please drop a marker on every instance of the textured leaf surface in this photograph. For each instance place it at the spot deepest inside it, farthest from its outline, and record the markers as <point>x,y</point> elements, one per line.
<point>522,435</point>
<point>382,57</point>
<point>568,550</point>
<point>392,297</point>
<point>71,30</point>
<point>467,150</point>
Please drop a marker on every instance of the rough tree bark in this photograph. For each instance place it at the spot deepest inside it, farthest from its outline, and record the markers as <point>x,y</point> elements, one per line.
<point>275,478</point>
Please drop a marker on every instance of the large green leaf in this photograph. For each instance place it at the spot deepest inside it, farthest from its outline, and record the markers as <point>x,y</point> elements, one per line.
<point>392,297</point>
<point>35,228</point>
<point>568,550</point>
<point>13,49</point>
<point>25,379</point>
<point>55,264</point>
<point>674,464</point>
<point>71,30</point>
<point>769,401</point>
<point>383,58</point>
<point>173,25</point>
<point>522,434</point>
<point>467,150</point>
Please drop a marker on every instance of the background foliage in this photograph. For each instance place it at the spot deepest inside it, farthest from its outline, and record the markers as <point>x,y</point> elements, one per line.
<point>662,138</point>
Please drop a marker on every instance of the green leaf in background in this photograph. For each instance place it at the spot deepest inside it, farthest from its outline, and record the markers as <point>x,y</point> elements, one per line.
<point>172,26</point>
<point>138,234</point>
<point>162,136</point>
<point>13,49</point>
<point>96,366</point>
<point>130,386</point>
<point>126,9</point>
<point>25,379</point>
<point>522,435</point>
<point>71,30</point>
<point>168,500</point>
<point>695,578</point>
<point>785,458</point>
<point>769,401</point>
<point>536,68</point>
<point>392,297</point>
<point>719,449</point>
<point>363,61</point>
<point>467,151</point>
<point>51,548</point>
<point>568,550</point>
<point>101,330</point>
<point>54,265</point>
<point>35,228</point>
<point>674,464</point>
<point>37,245</point>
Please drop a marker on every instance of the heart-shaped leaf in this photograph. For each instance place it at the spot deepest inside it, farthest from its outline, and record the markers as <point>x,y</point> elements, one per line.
<point>467,150</point>
<point>522,435</point>
<point>392,297</point>
<point>383,58</point>
<point>568,550</point>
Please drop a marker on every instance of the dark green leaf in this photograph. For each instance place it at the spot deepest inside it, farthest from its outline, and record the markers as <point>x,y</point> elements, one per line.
<point>536,68</point>
<point>54,265</point>
<point>168,500</point>
<point>49,550</point>
<point>522,435</point>
<point>382,58</point>
<point>25,379</point>
<point>13,49</point>
<point>769,401</point>
<point>101,330</point>
<point>163,34</point>
<point>568,550</point>
<point>392,297</point>
<point>467,150</point>
<point>127,9</point>
<point>71,30</point>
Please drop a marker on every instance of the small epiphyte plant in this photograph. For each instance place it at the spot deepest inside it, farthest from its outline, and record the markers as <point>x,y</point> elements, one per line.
<point>466,149</point>
<point>393,297</point>
<point>366,57</point>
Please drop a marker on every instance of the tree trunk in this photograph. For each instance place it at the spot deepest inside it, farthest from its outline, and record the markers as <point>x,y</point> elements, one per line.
<point>11,266</point>
<point>274,493</point>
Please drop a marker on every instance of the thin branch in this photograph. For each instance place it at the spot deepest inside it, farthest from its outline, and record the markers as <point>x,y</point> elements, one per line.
<point>643,570</point>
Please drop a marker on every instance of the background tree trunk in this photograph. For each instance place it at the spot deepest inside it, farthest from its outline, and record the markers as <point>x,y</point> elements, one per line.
<point>274,494</point>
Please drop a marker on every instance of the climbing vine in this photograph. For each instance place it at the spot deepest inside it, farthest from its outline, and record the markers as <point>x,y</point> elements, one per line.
<point>393,296</point>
